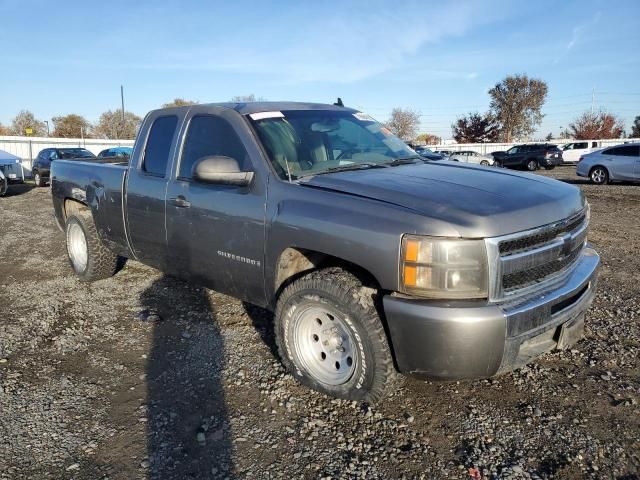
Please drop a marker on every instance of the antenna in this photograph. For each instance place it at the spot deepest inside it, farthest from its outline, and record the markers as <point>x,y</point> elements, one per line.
<point>339,103</point>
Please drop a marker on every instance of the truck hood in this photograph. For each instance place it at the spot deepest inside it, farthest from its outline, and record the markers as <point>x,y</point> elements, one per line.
<point>477,201</point>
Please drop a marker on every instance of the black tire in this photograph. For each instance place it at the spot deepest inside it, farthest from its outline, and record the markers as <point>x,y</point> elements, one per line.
<point>484,162</point>
<point>100,262</point>
<point>532,165</point>
<point>497,163</point>
<point>337,290</point>
<point>38,180</point>
<point>599,175</point>
<point>4,186</point>
<point>549,167</point>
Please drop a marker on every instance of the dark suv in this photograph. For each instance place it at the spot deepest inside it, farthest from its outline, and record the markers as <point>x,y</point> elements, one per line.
<point>530,156</point>
<point>42,163</point>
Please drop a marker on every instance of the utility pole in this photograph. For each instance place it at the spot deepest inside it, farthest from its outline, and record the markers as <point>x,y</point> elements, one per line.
<point>122,102</point>
<point>593,98</point>
<point>47,123</point>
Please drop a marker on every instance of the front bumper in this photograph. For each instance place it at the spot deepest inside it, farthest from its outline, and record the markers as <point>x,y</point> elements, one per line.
<point>466,340</point>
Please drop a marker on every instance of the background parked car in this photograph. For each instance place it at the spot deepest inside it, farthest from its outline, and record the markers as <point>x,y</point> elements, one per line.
<point>469,156</point>
<point>619,163</point>
<point>530,156</point>
<point>4,184</point>
<point>444,153</point>
<point>571,152</point>
<point>116,152</point>
<point>427,153</point>
<point>42,163</point>
<point>11,167</point>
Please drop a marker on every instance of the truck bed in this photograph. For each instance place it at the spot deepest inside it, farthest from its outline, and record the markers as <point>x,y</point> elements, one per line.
<point>99,184</point>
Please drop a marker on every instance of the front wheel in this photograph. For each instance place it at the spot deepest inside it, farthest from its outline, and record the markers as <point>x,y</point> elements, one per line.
<point>38,180</point>
<point>532,165</point>
<point>485,163</point>
<point>599,176</point>
<point>89,258</point>
<point>330,336</point>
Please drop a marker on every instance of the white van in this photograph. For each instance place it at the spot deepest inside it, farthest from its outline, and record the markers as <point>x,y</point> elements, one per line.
<point>571,152</point>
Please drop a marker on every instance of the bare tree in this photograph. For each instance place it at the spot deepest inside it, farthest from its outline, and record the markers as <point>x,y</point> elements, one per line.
<point>247,98</point>
<point>4,130</point>
<point>596,126</point>
<point>26,119</point>
<point>111,126</point>
<point>179,102</point>
<point>475,128</point>
<point>516,102</point>
<point>635,128</point>
<point>71,126</point>
<point>404,123</point>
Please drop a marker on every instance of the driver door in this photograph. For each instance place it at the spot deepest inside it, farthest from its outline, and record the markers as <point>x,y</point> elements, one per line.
<point>216,232</point>
<point>513,157</point>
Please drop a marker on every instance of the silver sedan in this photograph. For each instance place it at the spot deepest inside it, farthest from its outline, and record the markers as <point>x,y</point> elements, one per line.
<point>619,163</point>
<point>469,156</point>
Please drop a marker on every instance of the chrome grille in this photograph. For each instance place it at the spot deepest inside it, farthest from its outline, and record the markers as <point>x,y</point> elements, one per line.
<point>526,261</point>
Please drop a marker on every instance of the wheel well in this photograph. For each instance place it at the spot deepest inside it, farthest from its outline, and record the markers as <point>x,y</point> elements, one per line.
<point>71,206</point>
<point>598,166</point>
<point>295,262</point>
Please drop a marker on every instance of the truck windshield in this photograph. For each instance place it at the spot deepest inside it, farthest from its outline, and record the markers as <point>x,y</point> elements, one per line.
<point>310,142</point>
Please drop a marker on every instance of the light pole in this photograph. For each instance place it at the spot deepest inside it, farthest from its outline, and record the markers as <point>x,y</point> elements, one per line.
<point>47,123</point>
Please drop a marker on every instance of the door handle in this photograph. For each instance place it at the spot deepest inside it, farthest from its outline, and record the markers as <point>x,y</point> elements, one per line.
<point>180,201</point>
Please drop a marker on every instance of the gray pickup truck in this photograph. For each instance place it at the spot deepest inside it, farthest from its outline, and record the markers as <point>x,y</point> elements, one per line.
<point>374,260</point>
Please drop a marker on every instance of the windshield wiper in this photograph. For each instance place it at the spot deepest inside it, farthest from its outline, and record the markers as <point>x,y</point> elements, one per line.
<point>347,168</point>
<point>405,160</point>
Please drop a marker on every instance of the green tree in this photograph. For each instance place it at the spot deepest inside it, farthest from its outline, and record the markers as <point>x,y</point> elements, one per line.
<point>4,130</point>
<point>404,123</point>
<point>475,128</point>
<point>112,126</point>
<point>179,102</point>
<point>26,119</point>
<point>71,126</point>
<point>516,103</point>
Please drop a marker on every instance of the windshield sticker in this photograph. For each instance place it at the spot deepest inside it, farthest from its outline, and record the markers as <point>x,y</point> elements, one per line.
<point>263,115</point>
<point>363,117</point>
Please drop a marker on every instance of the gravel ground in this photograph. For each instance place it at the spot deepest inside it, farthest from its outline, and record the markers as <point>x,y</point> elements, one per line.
<point>143,376</point>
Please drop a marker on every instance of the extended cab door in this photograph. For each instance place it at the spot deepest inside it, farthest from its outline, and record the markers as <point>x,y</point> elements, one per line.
<point>513,157</point>
<point>216,232</point>
<point>147,185</point>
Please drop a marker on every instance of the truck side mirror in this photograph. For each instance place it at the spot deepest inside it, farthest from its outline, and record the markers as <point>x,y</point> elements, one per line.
<point>220,170</point>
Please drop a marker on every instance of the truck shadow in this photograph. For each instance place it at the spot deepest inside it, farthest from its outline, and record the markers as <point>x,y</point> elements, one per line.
<point>188,431</point>
<point>16,189</point>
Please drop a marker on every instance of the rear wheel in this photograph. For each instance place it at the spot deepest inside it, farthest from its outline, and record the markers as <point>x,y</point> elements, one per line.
<point>484,162</point>
<point>532,165</point>
<point>599,176</point>
<point>38,180</point>
<point>89,258</point>
<point>331,338</point>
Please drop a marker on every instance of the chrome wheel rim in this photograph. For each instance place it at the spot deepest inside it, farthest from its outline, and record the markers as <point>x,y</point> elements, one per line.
<point>77,247</point>
<point>598,175</point>
<point>531,166</point>
<point>37,179</point>
<point>325,344</point>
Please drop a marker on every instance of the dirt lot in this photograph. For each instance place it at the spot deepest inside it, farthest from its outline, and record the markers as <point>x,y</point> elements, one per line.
<point>145,376</point>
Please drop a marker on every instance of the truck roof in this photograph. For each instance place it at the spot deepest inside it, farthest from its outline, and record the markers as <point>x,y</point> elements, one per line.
<point>246,108</point>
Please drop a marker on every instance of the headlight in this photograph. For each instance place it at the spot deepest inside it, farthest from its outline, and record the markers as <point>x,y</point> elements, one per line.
<point>444,268</point>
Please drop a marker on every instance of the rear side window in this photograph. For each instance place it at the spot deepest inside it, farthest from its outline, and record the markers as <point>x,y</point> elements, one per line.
<point>156,153</point>
<point>626,151</point>
<point>208,136</point>
<point>581,145</point>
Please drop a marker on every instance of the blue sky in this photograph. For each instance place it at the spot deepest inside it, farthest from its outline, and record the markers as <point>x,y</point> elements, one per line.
<point>437,57</point>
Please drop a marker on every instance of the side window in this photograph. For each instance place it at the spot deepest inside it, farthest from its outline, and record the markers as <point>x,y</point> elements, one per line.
<point>156,152</point>
<point>594,144</point>
<point>626,151</point>
<point>53,155</point>
<point>208,136</point>
<point>582,145</point>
